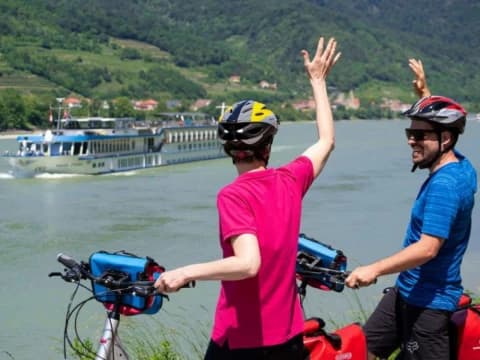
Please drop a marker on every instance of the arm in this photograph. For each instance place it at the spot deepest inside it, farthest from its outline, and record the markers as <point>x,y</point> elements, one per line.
<point>412,256</point>
<point>420,81</point>
<point>317,71</point>
<point>244,264</point>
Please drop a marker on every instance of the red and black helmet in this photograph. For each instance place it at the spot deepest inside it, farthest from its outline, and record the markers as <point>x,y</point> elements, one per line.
<point>441,111</point>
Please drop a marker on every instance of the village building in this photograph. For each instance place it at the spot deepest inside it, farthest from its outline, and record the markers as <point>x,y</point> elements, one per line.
<point>266,85</point>
<point>72,102</point>
<point>234,79</point>
<point>200,103</point>
<point>304,105</point>
<point>173,104</point>
<point>394,105</point>
<point>145,105</point>
<point>349,101</point>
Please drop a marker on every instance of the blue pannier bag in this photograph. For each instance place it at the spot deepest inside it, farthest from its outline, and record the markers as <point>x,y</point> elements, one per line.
<point>128,267</point>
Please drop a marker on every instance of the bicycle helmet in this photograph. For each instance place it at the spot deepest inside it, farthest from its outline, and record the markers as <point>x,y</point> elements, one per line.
<point>248,122</point>
<point>443,112</point>
<point>246,130</point>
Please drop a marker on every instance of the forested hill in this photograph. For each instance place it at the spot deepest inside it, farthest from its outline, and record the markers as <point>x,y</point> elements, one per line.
<point>105,49</point>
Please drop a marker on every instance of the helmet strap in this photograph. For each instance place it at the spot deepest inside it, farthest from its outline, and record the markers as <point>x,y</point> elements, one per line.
<point>264,153</point>
<point>440,152</point>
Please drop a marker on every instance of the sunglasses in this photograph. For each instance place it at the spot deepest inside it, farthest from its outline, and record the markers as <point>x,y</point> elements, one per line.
<point>418,134</point>
<point>247,134</point>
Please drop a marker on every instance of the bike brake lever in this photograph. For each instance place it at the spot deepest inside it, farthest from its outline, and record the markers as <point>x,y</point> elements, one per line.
<point>69,276</point>
<point>190,284</point>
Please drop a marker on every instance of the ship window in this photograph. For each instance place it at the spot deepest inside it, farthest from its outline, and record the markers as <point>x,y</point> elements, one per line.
<point>76,148</point>
<point>85,147</point>
<point>66,148</point>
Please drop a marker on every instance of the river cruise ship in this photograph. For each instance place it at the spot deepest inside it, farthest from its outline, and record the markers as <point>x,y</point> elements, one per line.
<point>107,145</point>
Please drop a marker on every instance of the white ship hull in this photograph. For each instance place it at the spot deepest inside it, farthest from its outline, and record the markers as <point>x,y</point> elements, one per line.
<point>31,166</point>
<point>95,152</point>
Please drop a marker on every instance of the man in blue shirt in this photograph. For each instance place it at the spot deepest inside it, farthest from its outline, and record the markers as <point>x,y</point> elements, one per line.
<point>415,314</point>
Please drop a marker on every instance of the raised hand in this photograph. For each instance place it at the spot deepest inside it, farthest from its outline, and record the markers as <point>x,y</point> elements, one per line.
<point>324,60</point>
<point>420,82</point>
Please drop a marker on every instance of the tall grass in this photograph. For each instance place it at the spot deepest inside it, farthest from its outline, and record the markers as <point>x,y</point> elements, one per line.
<point>152,338</point>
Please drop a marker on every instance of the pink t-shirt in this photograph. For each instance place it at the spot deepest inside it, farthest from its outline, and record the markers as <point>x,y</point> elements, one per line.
<point>264,310</point>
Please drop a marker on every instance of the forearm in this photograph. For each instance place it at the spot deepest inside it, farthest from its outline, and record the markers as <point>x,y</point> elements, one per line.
<point>410,257</point>
<point>319,152</point>
<point>324,117</point>
<point>230,268</point>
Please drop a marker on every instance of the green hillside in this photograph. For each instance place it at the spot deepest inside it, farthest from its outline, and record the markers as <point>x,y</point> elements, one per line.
<point>186,50</point>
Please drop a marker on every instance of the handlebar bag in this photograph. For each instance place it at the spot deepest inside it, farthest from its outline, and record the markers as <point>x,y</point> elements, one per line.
<point>313,254</point>
<point>128,267</point>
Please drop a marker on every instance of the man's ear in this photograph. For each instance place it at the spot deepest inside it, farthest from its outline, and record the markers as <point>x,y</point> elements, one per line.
<point>447,139</point>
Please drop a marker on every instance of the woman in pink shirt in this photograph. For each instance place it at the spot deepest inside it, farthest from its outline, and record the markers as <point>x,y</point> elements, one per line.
<point>258,313</point>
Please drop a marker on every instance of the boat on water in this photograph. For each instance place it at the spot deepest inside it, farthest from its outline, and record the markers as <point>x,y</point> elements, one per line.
<point>97,145</point>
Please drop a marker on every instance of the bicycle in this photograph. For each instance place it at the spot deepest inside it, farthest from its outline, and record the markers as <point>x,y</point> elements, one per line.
<point>123,283</point>
<point>322,267</point>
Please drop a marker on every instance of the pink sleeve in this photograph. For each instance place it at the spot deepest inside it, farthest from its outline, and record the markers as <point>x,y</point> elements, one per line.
<point>301,169</point>
<point>235,216</point>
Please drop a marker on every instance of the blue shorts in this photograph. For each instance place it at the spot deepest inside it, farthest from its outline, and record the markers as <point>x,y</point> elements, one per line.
<point>420,333</point>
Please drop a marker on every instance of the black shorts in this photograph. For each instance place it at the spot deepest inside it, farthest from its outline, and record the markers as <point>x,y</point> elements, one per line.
<point>420,333</point>
<point>291,350</point>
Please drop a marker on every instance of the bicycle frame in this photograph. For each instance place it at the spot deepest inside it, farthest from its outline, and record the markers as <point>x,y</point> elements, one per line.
<point>110,340</point>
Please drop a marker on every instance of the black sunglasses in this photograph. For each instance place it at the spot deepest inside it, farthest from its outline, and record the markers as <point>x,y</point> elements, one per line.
<point>417,134</point>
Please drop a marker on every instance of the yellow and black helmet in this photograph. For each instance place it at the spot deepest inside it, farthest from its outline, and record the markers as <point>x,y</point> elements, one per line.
<point>248,122</point>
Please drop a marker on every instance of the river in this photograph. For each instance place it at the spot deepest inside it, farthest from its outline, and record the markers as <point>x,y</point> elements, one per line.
<point>360,204</point>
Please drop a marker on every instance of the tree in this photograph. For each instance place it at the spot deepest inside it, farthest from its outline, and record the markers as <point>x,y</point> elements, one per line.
<point>13,114</point>
<point>122,107</point>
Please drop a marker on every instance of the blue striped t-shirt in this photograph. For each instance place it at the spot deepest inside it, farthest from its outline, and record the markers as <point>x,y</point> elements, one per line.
<point>443,209</point>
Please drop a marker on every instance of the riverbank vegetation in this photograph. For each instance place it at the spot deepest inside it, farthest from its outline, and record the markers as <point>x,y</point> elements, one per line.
<point>152,340</point>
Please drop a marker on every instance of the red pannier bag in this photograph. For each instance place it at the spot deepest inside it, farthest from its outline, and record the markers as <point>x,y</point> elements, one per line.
<point>346,343</point>
<point>466,323</point>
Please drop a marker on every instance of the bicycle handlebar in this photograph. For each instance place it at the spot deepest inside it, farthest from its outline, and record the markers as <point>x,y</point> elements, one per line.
<point>80,270</point>
<point>338,274</point>
<point>330,277</point>
<point>67,261</point>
